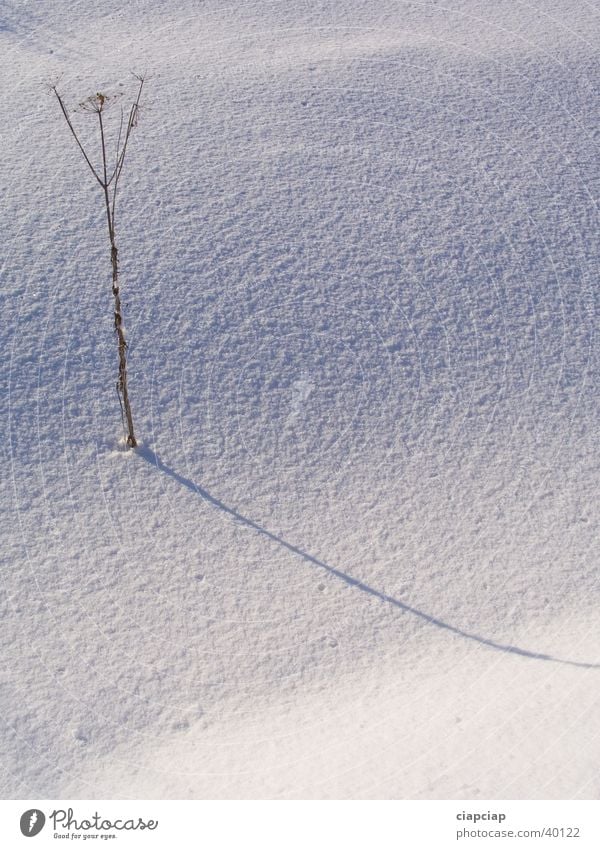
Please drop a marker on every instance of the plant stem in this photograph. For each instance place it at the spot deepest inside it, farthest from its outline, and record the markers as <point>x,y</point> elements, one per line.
<point>96,104</point>
<point>114,258</point>
<point>122,344</point>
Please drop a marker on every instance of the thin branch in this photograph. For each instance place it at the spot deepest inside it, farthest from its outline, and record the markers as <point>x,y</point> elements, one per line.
<point>120,161</point>
<point>105,183</point>
<point>75,136</point>
<point>130,125</point>
<point>109,217</point>
<point>118,147</point>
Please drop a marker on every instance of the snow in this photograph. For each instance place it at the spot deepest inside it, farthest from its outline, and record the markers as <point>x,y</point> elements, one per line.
<point>356,553</point>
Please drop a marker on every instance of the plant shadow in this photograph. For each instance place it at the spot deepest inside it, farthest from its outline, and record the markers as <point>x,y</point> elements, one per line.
<point>153,459</point>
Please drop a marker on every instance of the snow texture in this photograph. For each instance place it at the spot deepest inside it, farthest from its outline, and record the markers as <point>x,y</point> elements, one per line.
<point>356,555</point>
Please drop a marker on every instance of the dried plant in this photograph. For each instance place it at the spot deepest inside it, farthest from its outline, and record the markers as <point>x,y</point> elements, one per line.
<point>108,177</point>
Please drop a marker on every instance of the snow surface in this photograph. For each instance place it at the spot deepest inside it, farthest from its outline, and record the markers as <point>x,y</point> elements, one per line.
<point>356,555</point>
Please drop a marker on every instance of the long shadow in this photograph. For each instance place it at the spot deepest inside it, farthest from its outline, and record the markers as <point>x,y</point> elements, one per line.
<point>154,460</point>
